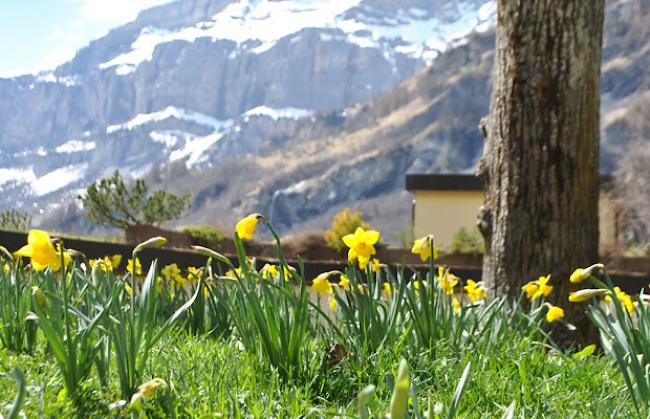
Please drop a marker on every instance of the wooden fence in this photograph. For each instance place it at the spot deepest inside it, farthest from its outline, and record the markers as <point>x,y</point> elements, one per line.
<point>629,282</point>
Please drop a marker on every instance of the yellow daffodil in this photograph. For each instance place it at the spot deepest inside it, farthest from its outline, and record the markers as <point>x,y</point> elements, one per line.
<point>107,264</point>
<point>322,285</point>
<point>6,268</point>
<point>422,247</point>
<point>388,290</point>
<point>624,298</point>
<point>344,283</point>
<point>160,283</point>
<point>234,274</point>
<point>376,265</point>
<point>544,289</point>
<point>178,282</point>
<point>456,305</point>
<point>586,294</point>
<point>475,290</point>
<point>361,245</point>
<point>194,273</point>
<point>554,313</point>
<point>288,272</point>
<point>269,271</point>
<point>147,390</point>
<point>171,271</point>
<point>361,288</point>
<point>246,226</point>
<point>581,274</point>
<point>41,251</point>
<point>128,288</point>
<point>333,304</point>
<point>530,289</point>
<point>415,284</point>
<point>539,288</point>
<point>138,266</point>
<point>116,260</point>
<point>448,282</point>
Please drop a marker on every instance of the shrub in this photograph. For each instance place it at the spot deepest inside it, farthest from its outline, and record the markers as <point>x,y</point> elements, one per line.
<point>205,235</point>
<point>467,242</point>
<point>343,223</point>
<point>110,202</point>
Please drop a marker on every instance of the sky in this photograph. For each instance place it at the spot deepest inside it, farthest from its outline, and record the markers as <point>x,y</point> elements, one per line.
<point>41,34</point>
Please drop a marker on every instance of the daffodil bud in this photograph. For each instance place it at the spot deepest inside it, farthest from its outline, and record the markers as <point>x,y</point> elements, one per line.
<point>5,253</point>
<point>586,294</point>
<point>207,252</point>
<point>581,274</point>
<point>399,401</point>
<point>152,243</point>
<point>39,297</point>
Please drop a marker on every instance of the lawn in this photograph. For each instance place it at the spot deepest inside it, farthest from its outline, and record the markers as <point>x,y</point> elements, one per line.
<point>250,341</point>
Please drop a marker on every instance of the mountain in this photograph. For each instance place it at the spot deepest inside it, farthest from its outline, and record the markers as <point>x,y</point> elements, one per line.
<point>171,84</point>
<point>291,108</point>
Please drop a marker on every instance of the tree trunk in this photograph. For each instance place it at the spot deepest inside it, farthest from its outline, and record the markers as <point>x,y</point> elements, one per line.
<point>540,161</point>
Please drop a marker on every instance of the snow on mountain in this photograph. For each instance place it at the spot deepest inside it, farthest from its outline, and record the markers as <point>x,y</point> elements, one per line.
<point>8,175</point>
<point>275,114</point>
<point>76,146</point>
<point>170,112</point>
<point>256,26</point>
<point>195,148</point>
<point>58,179</point>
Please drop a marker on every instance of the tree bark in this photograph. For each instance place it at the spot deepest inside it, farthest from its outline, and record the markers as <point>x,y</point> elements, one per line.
<point>540,160</point>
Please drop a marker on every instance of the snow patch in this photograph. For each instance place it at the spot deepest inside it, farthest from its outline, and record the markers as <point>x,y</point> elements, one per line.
<point>165,137</point>
<point>49,77</point>
<point>296,188</point>
<point>275,114</point>
<point>75,146</point>
<point>194,149</point>
<point>58,179</point>
<point>170,112</point>
<point>8,175</point>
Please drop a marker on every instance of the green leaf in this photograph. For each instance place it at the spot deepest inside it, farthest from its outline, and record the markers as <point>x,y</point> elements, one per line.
<point>586,351</point>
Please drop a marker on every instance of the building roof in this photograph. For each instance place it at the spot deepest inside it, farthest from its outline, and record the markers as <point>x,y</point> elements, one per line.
<point>460,182</point>
<point>440,182</point>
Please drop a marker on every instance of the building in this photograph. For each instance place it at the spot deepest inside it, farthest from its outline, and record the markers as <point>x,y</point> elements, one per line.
<point>444,204</point>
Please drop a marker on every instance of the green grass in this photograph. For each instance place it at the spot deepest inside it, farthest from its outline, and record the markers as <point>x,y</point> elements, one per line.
<point>251,345</point>
<point>209,376</point>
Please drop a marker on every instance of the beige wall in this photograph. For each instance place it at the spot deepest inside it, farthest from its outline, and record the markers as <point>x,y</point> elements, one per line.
<point>443,213</point>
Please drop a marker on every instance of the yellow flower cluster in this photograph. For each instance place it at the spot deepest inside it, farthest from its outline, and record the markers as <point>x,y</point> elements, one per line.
<point>138,266</point>
<point>539,288</point>
<point>107,263</point>
<point>475,290</point>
